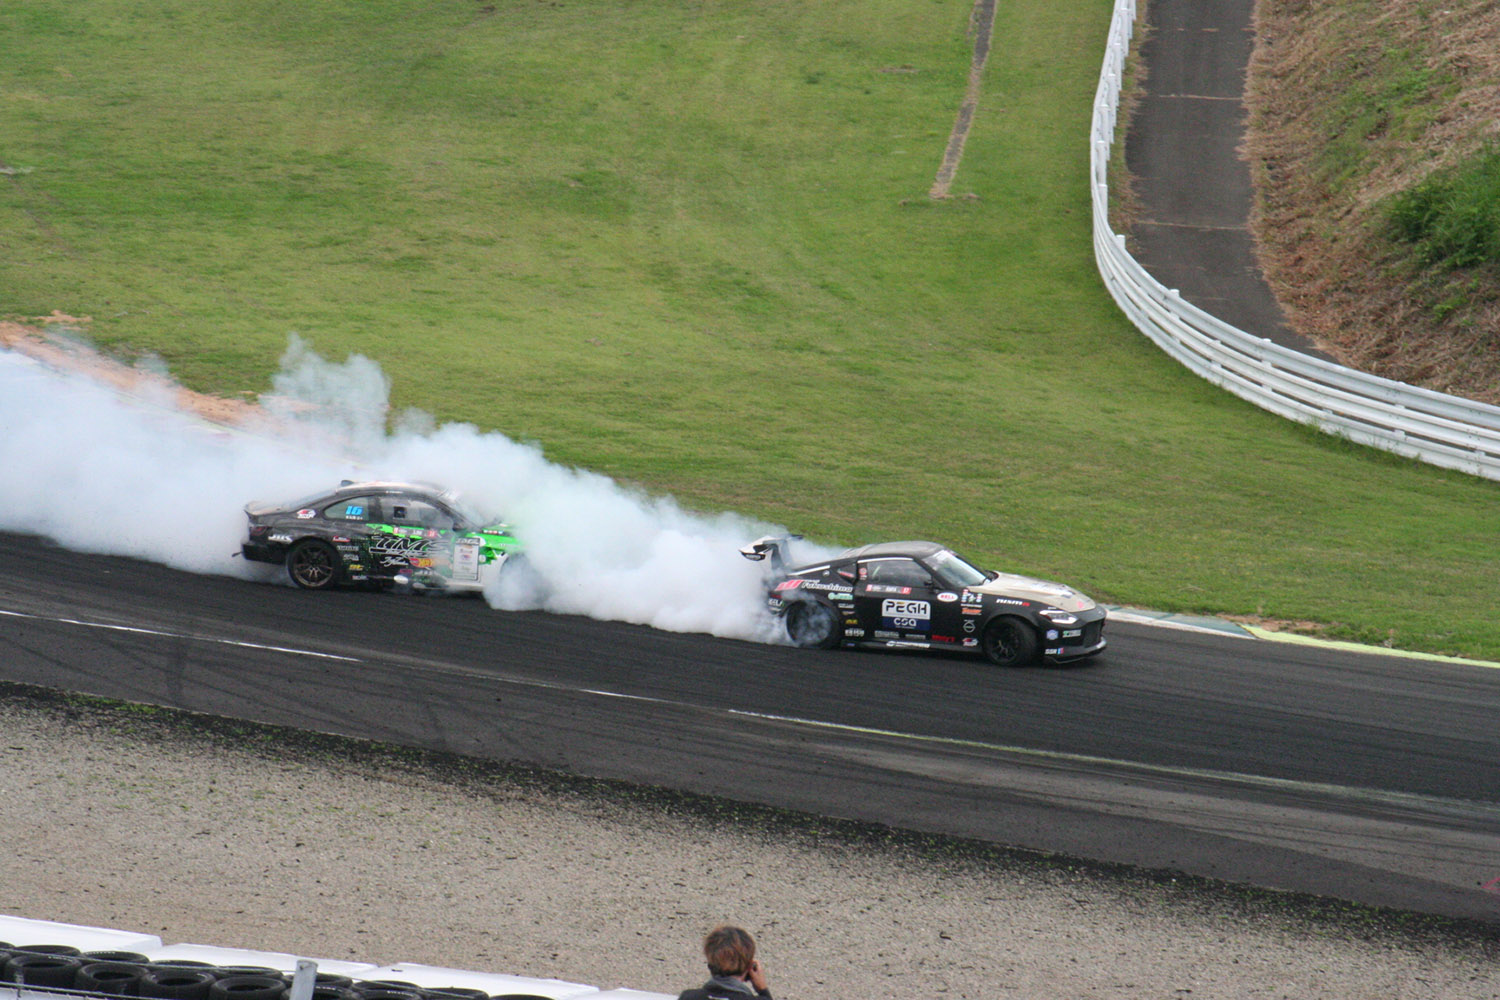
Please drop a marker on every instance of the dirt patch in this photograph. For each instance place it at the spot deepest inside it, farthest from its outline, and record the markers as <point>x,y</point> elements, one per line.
<point>59,343</point>
<point>1349,104</point>
<point>982,27</point>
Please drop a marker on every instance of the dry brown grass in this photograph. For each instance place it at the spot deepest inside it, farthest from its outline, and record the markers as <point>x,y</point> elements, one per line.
<point>1343,281</point>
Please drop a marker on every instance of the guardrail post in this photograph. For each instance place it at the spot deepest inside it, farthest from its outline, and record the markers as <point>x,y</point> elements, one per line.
<point>303,980</point>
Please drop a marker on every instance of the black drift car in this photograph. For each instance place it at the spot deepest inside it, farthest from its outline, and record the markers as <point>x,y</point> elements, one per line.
<point>379,533</point>
<point>921,595</point>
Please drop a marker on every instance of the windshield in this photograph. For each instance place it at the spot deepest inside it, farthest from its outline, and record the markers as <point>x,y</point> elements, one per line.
<point>956,569</point>
<point>468,515</point>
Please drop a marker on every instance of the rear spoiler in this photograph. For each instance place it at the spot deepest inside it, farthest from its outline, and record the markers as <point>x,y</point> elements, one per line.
<point>772,547</point>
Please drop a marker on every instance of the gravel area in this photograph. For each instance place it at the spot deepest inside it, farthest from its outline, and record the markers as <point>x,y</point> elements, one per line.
<point>228,834</point>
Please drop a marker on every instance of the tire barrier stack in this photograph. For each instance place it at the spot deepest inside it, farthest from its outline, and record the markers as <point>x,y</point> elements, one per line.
<point>1433,427</point>
<point>52,961</point>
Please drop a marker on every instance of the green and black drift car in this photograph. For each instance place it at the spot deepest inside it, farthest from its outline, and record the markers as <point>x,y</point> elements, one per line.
<point>379,534</point>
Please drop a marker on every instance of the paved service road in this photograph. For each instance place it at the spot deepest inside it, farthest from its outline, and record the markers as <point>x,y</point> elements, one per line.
<point>1183,149</point>
<point>1357,776</point>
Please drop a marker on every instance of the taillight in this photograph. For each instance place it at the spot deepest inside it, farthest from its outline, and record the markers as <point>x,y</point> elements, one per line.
<point>258,529</point>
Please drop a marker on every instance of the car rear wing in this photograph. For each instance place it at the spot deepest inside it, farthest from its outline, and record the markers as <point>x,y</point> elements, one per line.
<point>772,547</point>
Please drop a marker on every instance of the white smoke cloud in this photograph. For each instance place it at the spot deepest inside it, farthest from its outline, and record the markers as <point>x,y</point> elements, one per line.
<point>137,476</point>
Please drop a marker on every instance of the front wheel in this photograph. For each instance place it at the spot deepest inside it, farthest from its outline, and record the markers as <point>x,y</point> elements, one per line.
<point>1009,642</point>
<point>812,625</point>
<point>313,564</point>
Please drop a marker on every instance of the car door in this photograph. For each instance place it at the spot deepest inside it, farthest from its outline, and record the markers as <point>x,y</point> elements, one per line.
<point>350,523</point>
<point>422,533</point>
<point>894,595</point>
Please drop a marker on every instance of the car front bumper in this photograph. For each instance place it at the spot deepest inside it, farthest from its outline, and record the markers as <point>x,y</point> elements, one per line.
<point>1073,642</point>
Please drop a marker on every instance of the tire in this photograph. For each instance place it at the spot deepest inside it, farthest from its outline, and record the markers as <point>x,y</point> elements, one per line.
<point>133,957</point>
<point>312,564</point>
<point>813,625</point>
<point>43,969</point>
<point>177,983</point>
<point>247,988</point>
<point>1010,642</point>
<point>116,979</point>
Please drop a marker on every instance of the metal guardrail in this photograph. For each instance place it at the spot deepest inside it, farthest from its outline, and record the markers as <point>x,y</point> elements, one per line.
<point>1434,427</point>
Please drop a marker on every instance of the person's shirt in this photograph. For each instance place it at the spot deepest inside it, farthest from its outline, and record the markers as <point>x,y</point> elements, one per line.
<point>724,988</point>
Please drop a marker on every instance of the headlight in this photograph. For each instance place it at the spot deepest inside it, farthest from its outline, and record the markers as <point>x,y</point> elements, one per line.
<point>1058,616</point>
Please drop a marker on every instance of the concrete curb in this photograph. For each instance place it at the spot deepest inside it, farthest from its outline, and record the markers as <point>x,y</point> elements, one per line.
<point>1222,626</point>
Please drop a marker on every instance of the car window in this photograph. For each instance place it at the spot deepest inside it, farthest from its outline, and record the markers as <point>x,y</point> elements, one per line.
<point>895,572</point>
<point>421,513</point>
<point>958,570</point>
<point>361,509</point>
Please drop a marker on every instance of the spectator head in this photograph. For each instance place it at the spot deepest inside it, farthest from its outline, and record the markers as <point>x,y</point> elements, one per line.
<point>729,951</point>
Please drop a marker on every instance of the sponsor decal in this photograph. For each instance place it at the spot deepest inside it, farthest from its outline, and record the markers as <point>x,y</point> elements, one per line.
<point>972,599</point>
<point>883,634</point>
<point>1052,635</point>
<point>908,645</point>
<point>356,567</point>
<point>885,588</point>
<point>280,538</point>
<point>421,562</point>
<point>969,626</point>
<point>851,621</point>
<point>1072,633</point>
<point>339,538</point>
<point>944,638</point>
<point>820,585</point>
<point>1052,652</point>
<point>1012,601</point>
<point>775,603</point>
<point>947,597</point>
<point>973,611</point>
<point>788,585</point>
<point>907,616</point>
<point>971,642</point>
<point>307,512</point>
<point>854,633</point>
<point>466,559</point>
<point>843,595</point>
<point>396,551</point>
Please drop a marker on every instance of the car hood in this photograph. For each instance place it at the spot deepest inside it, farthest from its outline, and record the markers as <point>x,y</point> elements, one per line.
<point>1028,589</point>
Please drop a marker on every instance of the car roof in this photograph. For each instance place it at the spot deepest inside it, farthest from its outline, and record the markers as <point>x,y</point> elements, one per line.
<point>387,486</point>
<point>917,550</point>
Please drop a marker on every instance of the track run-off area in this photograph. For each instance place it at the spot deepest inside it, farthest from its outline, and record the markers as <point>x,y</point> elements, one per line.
<point>1333,772</point>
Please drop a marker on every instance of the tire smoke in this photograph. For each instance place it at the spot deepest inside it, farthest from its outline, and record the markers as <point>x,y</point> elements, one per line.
<point>138,474</point>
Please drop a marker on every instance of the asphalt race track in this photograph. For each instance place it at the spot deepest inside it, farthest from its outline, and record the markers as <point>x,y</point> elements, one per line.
<point>1364,777</point>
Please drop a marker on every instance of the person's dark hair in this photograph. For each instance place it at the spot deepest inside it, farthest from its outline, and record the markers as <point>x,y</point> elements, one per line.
<point>729,951</point>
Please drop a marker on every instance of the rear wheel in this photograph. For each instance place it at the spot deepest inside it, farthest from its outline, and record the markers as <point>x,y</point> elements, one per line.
<point>313,564</point>
<point>1009,642</point>
<point>812,625</point>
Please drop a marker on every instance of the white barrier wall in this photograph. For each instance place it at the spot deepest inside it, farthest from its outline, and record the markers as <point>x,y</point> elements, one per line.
<point>22,931</point>
<point>1431,426</point>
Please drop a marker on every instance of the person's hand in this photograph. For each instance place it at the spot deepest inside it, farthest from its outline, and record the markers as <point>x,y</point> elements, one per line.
<point>757,976</point>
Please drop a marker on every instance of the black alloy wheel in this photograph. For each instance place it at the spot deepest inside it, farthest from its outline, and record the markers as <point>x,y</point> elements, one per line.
<point>313,564</point>
<point>812,625</point>
<point>1009,642</point>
